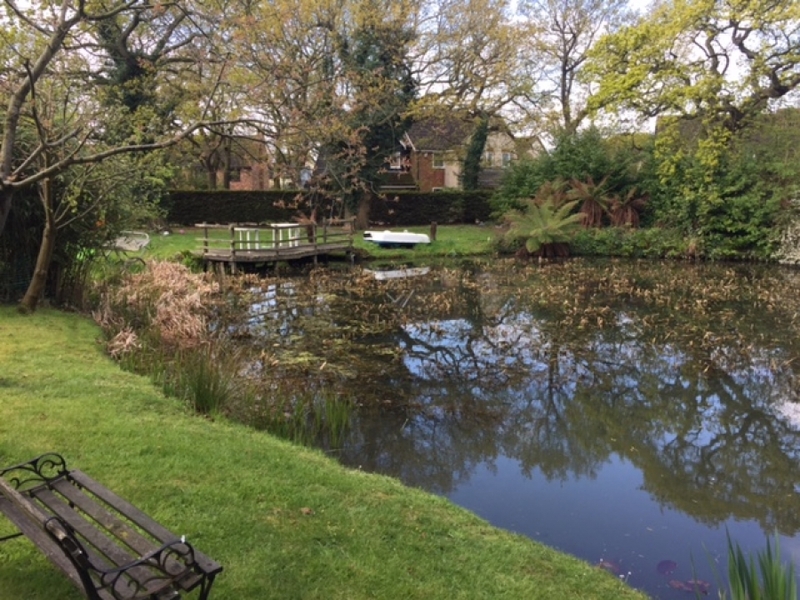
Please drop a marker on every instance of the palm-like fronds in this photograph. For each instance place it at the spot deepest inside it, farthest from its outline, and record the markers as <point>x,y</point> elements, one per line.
<point>555,192</point>
<point>545,228</point>
<point>593,199</point>
<point>624,210</point>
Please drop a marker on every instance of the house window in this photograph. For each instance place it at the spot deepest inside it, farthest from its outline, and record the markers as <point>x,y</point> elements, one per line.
<point>397,162</point>
<point>488,159</point>
<point>438,160</point>
<point>507,158</point>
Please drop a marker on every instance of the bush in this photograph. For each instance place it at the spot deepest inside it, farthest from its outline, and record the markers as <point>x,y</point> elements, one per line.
<point>635,243</point>
<point>579,156</point>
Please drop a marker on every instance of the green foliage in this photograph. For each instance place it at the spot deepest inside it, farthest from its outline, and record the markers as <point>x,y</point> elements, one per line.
<point>649,68</point>
<point>377,70</point>
<point>205,376</point>
<point>474,155</point>
<point>19,244</point>
<point>545,229</point>
<point>400,209</point>
<point>766,578</point>
<point>653,242</point>
<point>711,188</point>
<point>593,199</point>
<point>93,204</point>
<point>580,156</point>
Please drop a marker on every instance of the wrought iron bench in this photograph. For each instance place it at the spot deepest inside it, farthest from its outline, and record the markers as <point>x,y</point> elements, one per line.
<point>104,544</point>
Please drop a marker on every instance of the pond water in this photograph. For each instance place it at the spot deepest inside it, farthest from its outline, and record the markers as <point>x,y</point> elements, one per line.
<point>629,413</point>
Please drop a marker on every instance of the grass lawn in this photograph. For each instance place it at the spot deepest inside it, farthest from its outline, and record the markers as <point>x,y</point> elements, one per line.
<point>451,241</point>
<point>285,521</point>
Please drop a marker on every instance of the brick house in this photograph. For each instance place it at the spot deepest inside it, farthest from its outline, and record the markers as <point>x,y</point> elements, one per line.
<point>432,151</point>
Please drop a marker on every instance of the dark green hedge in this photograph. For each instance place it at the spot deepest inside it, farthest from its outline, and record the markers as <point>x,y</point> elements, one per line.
<point>225,206</point>
<point>403,208</point>
<point>416,208</point>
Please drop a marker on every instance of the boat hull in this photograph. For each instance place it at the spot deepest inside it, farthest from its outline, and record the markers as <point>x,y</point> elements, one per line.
<point>396,239</point>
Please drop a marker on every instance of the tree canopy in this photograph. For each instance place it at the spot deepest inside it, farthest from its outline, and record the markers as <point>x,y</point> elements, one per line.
<point>723,60</point>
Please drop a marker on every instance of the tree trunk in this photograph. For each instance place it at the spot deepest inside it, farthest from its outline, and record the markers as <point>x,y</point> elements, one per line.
<point>226,164</point>
<point>362,217</point>
<point>6,196</point>
<point>211,172</point>
<point>38,282</point>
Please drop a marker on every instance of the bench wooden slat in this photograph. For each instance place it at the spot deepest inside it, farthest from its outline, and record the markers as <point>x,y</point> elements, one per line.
<point>40,539</point>
<point>71,516</point>
<point>126,534</point>
<point>104,553</point>
<point>30,520</point>
<point>122,531</point>
<point>208,565</point>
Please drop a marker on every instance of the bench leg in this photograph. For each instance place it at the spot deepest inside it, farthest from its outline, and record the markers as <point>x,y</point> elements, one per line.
<point>205,587</point>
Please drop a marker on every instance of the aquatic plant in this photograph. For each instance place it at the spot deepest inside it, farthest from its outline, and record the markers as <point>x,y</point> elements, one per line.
<point>666,567</point>
<point>765,577</point>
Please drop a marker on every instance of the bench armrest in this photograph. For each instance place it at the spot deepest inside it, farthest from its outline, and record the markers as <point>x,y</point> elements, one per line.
<point>156,572</point>
<point>42,469</point>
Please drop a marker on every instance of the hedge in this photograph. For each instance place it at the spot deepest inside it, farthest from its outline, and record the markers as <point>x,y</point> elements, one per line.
<point>393,209</point>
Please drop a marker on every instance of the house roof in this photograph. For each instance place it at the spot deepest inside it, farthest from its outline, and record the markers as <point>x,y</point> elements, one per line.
<point>439,135</point>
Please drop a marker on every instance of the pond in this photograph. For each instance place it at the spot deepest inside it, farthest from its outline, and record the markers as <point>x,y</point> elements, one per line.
<point>629,413</point>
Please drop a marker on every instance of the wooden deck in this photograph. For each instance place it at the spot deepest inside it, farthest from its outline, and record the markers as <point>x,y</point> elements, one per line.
<point>247,243</point>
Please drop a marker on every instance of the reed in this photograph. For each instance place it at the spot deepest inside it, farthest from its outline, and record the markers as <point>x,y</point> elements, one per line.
<point>764,577</point>
<point>313,417</point>
<point>205,377</point>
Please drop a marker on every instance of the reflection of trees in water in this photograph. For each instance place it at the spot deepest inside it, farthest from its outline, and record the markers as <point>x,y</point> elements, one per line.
<point>706,438</point>
<point>675,369</point>
<point>690,401</point>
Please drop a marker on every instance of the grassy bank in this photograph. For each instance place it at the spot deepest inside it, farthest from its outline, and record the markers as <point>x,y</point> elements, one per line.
<point>451,241</point>
<point>286,522</point>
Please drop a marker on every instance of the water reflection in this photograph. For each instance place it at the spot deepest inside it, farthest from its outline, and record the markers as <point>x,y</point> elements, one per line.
<point>640,409</point>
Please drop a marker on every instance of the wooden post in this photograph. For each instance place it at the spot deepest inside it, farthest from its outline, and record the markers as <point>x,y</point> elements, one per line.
<point>433,231</point>
<point>205,238</point>
<point>233,249</point>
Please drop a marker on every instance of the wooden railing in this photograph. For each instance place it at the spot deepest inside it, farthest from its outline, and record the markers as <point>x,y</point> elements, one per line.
<point>266,240</point>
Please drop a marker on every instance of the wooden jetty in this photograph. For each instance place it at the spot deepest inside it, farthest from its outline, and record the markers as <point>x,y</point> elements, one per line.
<point>238,244</point>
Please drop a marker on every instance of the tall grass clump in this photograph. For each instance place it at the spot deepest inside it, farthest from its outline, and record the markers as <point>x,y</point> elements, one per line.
<point>205,376</point>
<point>764,577</point>
<point>157,322</point>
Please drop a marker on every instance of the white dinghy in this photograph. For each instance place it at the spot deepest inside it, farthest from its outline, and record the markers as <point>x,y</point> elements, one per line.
<point>396,239</point>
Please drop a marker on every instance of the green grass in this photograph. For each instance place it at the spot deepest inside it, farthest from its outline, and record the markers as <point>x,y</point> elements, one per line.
<point>451,241</point>
<point>285,521</point>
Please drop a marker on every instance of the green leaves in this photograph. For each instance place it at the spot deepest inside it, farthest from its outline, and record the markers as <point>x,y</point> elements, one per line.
<point>766,578</point>
<point>725,61</point>
<point>545,227</point>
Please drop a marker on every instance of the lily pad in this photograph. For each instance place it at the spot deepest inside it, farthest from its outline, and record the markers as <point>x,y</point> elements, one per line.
<point>666,567</point>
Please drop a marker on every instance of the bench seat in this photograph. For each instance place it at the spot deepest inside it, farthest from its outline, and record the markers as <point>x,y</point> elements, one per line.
<point>105,545</point>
